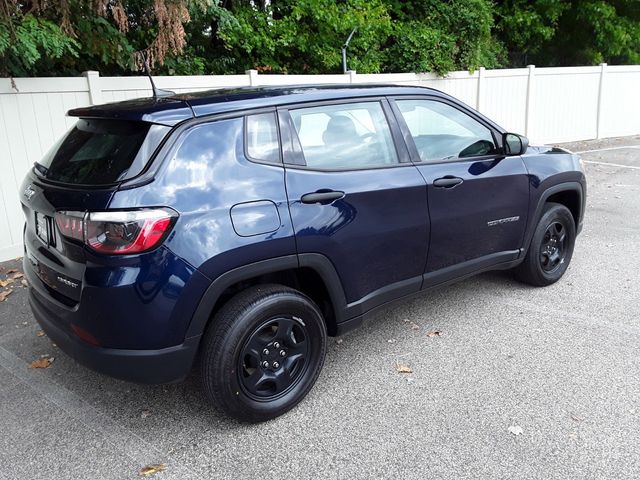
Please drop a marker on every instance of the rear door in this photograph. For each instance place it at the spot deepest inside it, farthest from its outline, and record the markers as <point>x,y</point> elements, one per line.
<point>355,197</point>
<point>478,198</point>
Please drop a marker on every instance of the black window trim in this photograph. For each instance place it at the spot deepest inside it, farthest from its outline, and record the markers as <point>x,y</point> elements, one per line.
<point>295,159</point>
<point>408,138</point>
<point>245,138</point>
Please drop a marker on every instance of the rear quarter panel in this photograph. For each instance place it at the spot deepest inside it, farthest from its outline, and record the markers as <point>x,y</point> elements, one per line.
<point>205,175</point>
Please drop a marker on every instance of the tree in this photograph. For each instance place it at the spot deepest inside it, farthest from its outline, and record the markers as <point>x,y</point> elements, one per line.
<point>437,36</point>
<point>554,32</point>
<point>41,37</point>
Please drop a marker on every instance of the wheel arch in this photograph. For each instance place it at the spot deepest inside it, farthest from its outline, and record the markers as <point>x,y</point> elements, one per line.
<point>569,194</point>
<point>312,274</point>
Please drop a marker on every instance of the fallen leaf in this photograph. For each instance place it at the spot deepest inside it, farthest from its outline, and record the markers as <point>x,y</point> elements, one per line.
<point>40,333</point>
<point>152,469</point>
<point>145,413</point>
<point>434,333</point>
<point>17,275</point>
<point>576,418</point>
<point>339,341</point>
<point>24,283</point>
<point>5,294</point>
<point>400,368</point>
<point>516,429</point>
<point>4,283</point>
<point>413,325</point>
<point>44,362</point>
<point>12,270</point>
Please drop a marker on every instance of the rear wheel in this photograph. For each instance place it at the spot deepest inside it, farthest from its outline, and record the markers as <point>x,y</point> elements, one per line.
<point>263,352</point>
<point>551,247</point>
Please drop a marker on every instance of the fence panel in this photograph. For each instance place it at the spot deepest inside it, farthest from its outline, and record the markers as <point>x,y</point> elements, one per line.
<point>547,104</point>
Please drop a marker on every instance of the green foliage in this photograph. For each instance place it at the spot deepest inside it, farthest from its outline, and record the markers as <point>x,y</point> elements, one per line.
<point>25,42</point>
<point>553,32</point>
<point>437,36</point>
<point>306,36</point>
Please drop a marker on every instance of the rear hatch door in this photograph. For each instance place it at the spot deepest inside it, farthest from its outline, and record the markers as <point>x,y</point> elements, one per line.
<point>79,174</point>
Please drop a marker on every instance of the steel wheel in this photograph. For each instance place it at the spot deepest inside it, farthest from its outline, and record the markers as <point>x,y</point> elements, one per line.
<point>274,358</point>
<point>553,248</point>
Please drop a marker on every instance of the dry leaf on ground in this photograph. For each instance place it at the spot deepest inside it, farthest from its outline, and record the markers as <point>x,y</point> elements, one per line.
<point>17,275</point>
<point>400,368</point>
<point>24,283</point>
<point>152,469</point>
<point>40,333</point>
<point>516,429</point>
<point>12,270</point>
<point>434,333</point>
<point>4,283</point>
<point>44,362</point>
<point>413,325</point>
<point>5,294</point>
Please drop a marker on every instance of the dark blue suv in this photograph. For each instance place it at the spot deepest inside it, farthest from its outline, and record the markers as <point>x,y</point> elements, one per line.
<point>237,229</point>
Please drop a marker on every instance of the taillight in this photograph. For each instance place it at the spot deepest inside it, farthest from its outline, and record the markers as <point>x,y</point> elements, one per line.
<point>118,232</point>
<point>71,224</point>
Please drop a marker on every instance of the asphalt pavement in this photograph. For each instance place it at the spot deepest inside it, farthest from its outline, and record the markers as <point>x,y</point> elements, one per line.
<point>521,382</point>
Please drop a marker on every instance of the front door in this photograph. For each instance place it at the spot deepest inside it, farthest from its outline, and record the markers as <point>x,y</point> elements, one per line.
<point>355,198</point>
<point>478,198</point>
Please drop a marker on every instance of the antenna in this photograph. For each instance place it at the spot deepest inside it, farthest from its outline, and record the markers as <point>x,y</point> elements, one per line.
<point>344,51</point>
<point>157,92</point>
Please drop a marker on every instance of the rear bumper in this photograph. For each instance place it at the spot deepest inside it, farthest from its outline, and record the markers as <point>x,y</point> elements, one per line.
<point>166,365</point>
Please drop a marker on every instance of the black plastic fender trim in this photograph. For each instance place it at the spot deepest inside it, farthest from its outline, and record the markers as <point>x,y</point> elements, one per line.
<point>317,262</point>
<point>560,187</point>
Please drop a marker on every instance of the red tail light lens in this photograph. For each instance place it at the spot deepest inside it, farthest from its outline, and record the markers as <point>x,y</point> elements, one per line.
<point>71,224</point>
<point>119,232</point>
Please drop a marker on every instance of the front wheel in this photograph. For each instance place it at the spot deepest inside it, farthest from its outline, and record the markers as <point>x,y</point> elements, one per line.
<point>551,247</point>
<point>263,352</point>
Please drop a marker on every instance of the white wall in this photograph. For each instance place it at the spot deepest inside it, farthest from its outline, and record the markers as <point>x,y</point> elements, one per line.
<point>546,104</point>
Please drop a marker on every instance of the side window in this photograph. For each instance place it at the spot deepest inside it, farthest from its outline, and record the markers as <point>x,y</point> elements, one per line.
<point>345,137</point>
<point>442,132</point>
<point>262,137</point>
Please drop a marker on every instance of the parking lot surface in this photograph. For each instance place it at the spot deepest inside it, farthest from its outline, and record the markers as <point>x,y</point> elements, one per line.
<point>521,382</point>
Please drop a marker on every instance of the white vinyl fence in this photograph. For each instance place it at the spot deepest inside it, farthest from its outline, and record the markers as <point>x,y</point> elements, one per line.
<point>549,105</point>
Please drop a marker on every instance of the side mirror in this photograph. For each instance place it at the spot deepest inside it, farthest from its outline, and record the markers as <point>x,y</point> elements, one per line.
<point>514,144</point>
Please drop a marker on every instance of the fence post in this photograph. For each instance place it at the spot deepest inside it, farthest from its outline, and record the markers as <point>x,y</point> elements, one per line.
<point>253,77</point>
<point>479,98</point>
<point>93,82</point>
<point>529,102</point>
<point>352,76</point>
<point>603,75</point>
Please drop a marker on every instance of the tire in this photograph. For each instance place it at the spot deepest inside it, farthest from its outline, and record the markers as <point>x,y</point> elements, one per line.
<point>266,323</point>
<point>551,247</point>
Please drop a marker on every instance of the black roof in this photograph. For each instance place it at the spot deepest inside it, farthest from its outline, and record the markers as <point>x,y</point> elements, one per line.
<point>176,108</point>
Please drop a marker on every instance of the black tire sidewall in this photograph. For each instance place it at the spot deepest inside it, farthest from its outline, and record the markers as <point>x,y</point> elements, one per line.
<point>226,352</point>
<point>553,213</point>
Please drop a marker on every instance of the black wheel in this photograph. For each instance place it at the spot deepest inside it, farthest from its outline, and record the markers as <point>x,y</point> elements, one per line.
<point>551,247</point>
<point>262,352</point>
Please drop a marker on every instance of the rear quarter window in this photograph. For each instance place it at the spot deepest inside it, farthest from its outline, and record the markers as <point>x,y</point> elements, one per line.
<point>101,152</point>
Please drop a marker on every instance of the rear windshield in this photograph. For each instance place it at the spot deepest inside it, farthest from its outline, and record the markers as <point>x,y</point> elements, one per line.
<point>101,152</point>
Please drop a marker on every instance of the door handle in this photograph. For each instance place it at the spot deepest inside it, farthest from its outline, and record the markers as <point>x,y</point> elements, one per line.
<point>448,181</point>
<point>323,197</point>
